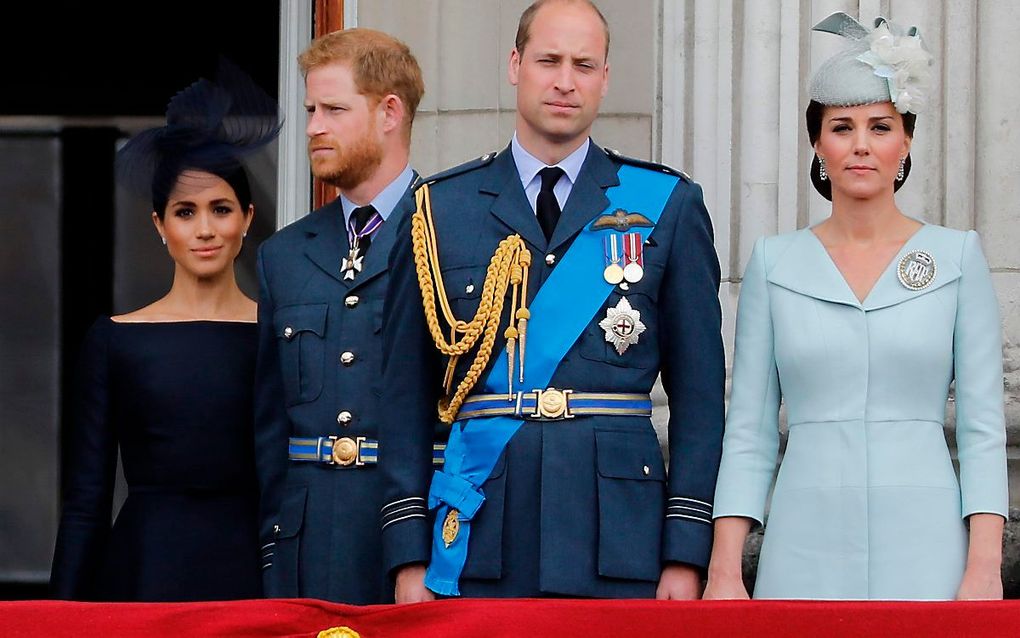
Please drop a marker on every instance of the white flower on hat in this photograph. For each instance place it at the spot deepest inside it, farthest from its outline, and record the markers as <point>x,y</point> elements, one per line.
<point>904,63</point>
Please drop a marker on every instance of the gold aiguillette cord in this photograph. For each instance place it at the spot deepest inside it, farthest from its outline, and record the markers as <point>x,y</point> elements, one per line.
<point>508,267</point>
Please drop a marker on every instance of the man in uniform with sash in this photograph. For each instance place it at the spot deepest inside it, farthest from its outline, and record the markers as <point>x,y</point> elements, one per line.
<point>537,294</point>
<point>322,282</point>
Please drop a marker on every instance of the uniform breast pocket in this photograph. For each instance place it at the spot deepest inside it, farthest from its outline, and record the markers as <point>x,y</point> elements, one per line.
<point>301,337</point>
<point>464,290</point>
<point>631,321</point>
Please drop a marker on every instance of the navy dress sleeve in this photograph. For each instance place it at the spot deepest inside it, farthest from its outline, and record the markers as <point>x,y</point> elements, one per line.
<point>89,475</point>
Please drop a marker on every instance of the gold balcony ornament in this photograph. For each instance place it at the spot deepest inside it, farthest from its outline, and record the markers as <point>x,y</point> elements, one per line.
<point>338,632</point>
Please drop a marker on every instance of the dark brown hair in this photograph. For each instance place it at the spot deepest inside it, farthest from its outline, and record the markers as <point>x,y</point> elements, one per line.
<point>813,116</point>
<point>169,172</point>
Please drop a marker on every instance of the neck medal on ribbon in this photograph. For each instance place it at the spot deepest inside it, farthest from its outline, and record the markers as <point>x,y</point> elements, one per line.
<point>354,262</point>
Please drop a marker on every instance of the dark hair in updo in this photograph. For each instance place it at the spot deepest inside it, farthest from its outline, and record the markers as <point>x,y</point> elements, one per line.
<point>170,170</point>
<point>813,116</point>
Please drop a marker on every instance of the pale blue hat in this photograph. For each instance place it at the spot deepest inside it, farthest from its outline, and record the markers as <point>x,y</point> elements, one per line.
<point>883,64</point>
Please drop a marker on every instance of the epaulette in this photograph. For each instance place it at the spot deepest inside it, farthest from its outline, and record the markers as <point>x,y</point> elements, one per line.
<point>466,167</point>
<point>653,166</point>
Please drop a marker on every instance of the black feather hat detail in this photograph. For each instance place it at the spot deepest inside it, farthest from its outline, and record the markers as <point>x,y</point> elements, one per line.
<point>210,126</point>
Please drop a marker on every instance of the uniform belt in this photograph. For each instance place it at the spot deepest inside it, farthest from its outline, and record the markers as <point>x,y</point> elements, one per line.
<point>553,404</point>
<point>345,451</point>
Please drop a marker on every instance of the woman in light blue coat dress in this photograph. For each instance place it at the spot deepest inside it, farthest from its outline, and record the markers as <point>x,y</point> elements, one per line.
<point>860,324</point>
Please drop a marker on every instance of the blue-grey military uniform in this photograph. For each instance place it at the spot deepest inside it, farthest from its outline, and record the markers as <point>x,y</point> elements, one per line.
<point>318,409</point>
<point>579,507</point>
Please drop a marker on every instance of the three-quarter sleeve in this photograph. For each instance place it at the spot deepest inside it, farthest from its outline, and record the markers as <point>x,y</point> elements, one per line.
<point>89,474</point>
<point>751,436</point>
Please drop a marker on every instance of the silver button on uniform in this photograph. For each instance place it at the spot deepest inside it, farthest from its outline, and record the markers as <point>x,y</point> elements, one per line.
<point>470,288</point>
<point>288,332</point>
<point>344,418</point>
<point>347,358</point>
<point>550,259</point>
<point>351,301</point>
<point>647,470</point>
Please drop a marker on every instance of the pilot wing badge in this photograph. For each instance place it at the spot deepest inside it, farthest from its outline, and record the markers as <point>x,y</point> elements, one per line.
<point>621,221</point>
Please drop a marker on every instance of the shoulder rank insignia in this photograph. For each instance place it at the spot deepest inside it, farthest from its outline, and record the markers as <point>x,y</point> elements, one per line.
<point>654,166</point>
<point>471,165</point>
<point>621,221</point>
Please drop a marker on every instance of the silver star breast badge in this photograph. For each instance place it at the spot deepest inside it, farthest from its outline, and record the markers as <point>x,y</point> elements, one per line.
<point>622,325</point>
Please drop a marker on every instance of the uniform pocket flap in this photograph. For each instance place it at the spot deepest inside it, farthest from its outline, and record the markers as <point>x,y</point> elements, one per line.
<point>289,321</point>
<point>629,455</point>
<point>292,513</point>
<point>464,283</point>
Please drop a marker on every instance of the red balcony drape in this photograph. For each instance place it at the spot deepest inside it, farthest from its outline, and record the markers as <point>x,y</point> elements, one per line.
<point>514,618</point>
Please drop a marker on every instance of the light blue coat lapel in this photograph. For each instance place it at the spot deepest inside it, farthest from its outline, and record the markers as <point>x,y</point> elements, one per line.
<point>888,290</point>
<point>806,268</point>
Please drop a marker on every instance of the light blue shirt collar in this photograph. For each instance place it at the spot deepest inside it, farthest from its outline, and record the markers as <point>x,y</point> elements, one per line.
<point>386,200</point>
<point>528,167</point>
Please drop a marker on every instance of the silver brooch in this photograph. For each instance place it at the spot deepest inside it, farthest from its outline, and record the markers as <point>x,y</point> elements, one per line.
<point>622,325</point>
<point>916,270</point>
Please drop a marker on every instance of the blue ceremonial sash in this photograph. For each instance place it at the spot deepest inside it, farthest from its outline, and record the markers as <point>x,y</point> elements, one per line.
<point>560,312</point>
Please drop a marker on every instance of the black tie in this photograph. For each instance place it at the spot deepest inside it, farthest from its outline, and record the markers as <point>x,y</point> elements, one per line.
<point>361,216</point>
<point>546,206</point>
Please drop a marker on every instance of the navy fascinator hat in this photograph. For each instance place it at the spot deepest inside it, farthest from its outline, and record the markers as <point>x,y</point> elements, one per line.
<point>211,126</point>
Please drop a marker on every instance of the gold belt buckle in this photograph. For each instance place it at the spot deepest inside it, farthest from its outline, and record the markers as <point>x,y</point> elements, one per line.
<point>552,404</point>
<point>346,450</point>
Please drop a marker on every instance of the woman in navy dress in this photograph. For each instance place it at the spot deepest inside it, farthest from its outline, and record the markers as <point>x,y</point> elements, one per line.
<point>170,384</point>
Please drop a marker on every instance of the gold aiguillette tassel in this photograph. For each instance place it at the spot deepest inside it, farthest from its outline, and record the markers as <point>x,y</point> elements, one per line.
<point>511,332</point>
<point>522,328</point>
<point>523,314</point>
<point>511,337</point>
